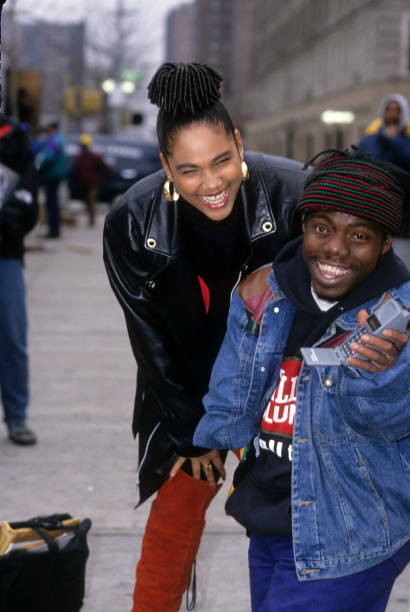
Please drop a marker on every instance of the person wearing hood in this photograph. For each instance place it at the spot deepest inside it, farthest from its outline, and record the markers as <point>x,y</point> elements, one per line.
<point>323,486</point>
<point>388,137</point>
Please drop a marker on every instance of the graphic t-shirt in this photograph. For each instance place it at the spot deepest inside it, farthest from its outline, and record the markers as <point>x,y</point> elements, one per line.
<point>262,502</point>
<point>278,418</point>
<point>273,466</point>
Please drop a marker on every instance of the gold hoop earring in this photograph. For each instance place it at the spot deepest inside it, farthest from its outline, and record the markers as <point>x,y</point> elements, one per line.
<point>244,170</point>
<point>171,197</point>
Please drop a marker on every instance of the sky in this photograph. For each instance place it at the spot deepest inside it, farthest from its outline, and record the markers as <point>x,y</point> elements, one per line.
<point>152,15</point>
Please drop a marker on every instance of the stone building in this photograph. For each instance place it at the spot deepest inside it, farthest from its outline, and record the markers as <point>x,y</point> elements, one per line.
<point>57,50</point>
<point>286,63</point>
<point>309,56</point>
<point>180,34</point>
<point>217,33</point>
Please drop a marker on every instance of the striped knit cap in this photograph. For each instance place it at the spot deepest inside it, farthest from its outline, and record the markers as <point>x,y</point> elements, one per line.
<point>357,187</point>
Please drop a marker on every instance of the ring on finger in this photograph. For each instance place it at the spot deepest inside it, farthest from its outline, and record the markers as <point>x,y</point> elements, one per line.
<point>207,466</point>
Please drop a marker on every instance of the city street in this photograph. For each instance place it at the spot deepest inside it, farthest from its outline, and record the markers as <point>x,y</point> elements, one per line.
<point>82,387</point>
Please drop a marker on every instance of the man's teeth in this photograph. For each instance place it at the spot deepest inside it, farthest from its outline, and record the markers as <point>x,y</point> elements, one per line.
<point>216,199</point>
<point>333,270</point>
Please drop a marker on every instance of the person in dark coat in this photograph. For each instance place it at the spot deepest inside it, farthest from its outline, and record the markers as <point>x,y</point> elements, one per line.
<point>174,248</point>
<point>52,166</point>
<point>89,170</point>
<point>18,215</point>
<point>388,137</point>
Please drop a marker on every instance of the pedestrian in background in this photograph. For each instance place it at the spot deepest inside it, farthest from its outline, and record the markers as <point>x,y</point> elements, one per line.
<point>323,490</point>
<point>52,166</point>
<point>174,247</point>
<point>89,170</point>
<point>388,137</point>
<point>18,215</point>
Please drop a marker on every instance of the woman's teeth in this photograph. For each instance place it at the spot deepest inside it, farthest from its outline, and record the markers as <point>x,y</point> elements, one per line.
<point>215,201</point>
<point>331,271</point>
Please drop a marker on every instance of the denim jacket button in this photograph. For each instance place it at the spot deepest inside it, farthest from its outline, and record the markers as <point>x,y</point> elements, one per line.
<point>328,382</point>
<point>262,369</point>
<point>276,309</point>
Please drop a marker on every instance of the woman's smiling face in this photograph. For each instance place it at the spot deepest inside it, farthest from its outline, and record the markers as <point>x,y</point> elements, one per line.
<point>205,165</point>
<point>341,251</point>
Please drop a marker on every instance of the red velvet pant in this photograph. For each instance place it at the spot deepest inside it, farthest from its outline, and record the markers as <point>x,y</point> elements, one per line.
<point>170,544</point>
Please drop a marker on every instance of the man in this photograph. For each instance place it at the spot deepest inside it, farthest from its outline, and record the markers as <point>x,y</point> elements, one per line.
<point>52,166</point>
<point>388,138</point>
<point>323,490</point>
<point>18,215</point>
<point>89,169</point>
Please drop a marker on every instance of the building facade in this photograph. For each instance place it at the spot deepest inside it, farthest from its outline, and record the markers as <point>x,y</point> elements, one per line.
<point>217,33</point>
<point>309,56</point>
<point>285,63</point>
<point>180,34</point>
<point>58,51</point>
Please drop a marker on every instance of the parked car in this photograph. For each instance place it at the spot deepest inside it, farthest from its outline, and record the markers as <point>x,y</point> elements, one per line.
<point>130,160</point>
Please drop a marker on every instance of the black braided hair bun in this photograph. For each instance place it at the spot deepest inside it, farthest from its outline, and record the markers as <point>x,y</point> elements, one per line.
<point>184,88</point>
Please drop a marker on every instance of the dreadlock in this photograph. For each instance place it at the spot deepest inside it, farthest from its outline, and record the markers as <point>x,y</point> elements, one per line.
<point>186,93</point>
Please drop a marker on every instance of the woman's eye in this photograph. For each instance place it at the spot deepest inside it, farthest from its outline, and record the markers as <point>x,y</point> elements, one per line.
<point>189,171</point>
<point>222,161</point>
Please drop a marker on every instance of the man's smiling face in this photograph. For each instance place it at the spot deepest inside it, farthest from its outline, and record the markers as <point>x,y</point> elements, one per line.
<point>341,251</point>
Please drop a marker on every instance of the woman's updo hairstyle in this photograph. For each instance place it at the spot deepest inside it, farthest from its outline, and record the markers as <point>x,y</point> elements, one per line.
<point>186,94</point>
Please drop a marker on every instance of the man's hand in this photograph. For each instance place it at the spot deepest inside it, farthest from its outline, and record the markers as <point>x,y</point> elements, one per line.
<point>204,462</point>
<point>387,350</point>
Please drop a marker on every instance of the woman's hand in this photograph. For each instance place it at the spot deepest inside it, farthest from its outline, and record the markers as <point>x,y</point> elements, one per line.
<point>387,350</point>
<point>204,462</point>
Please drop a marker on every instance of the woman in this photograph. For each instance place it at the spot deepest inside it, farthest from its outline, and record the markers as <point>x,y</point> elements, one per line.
<point>174,248</point>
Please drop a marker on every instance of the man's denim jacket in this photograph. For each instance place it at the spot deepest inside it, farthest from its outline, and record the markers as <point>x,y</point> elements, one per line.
<point>351,443</point>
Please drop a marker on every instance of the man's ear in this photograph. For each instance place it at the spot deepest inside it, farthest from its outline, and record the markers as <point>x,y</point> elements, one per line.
<point>388,241</point>
<point>165,165</point>
<point>303,222</point>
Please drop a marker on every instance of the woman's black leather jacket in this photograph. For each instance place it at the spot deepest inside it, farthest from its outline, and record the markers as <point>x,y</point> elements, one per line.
<point>161,298</point>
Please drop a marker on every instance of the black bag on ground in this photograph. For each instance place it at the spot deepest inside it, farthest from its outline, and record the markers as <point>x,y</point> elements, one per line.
<point>46,578</point>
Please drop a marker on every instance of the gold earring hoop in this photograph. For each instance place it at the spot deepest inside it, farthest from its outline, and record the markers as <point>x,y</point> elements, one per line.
<point>168,195</point>
<point>244,170</point>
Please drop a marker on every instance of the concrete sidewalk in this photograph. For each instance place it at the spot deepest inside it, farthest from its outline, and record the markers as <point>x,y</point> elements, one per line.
<point>82,387</point>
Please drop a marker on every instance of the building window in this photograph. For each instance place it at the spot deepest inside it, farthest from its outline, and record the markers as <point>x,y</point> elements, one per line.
<point>405,45</point>
<point>310,146</point>
<point>328,140</point>
<point>340,139</point>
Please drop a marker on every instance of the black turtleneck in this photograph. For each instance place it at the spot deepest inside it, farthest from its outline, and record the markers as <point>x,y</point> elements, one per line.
<point>216,251</point>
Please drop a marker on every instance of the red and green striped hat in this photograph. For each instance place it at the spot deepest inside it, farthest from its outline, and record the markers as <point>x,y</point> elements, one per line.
<point>355,186</point>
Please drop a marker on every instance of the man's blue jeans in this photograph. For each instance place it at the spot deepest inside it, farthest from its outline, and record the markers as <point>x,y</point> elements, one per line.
<point>13,342</point>
<point>275,587</point>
